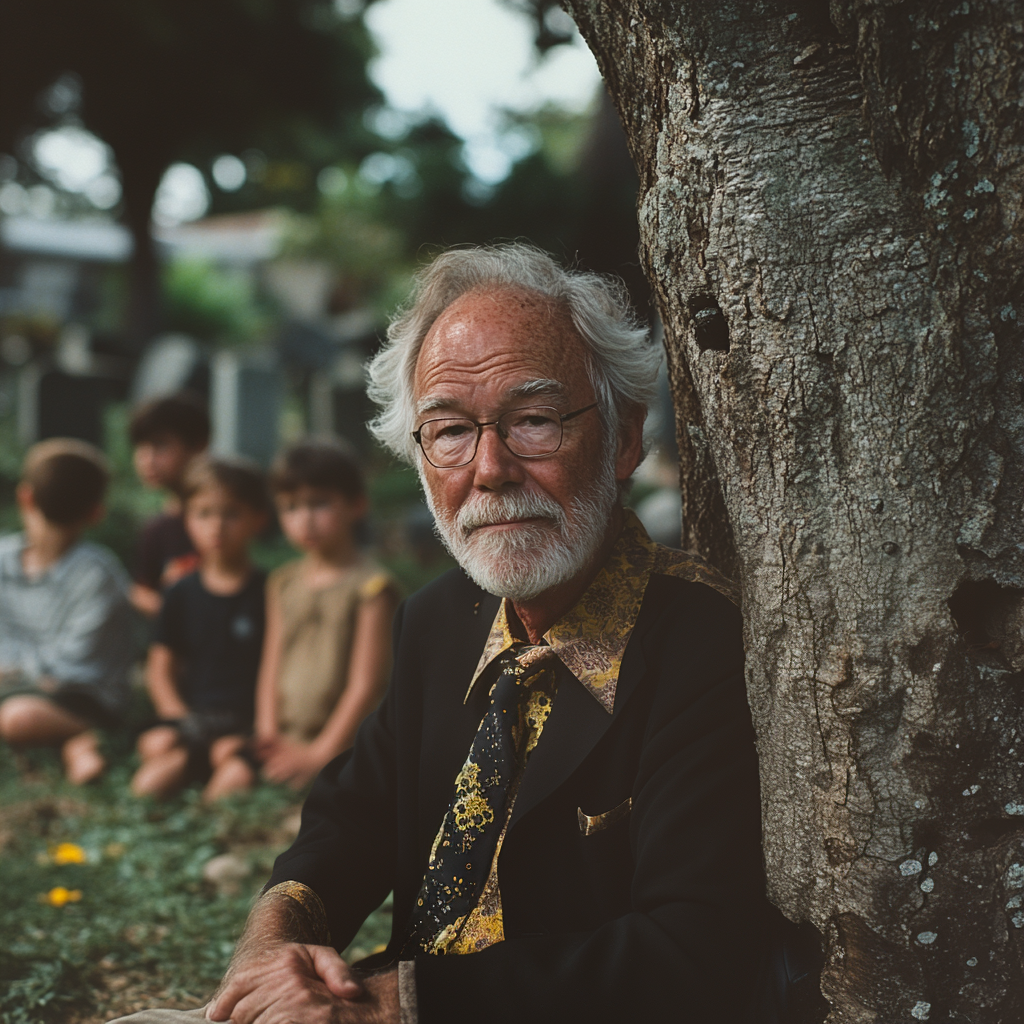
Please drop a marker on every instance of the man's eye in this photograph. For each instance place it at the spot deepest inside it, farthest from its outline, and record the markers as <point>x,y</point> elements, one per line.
<point>450,431</point>
<point>532,419</point>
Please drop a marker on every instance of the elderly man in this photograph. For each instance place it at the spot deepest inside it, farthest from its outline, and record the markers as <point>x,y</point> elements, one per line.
<point>560,787</point>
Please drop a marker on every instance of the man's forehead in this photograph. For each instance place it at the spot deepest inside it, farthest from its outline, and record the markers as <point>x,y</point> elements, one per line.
<point>506,339</point>
<point>537,390</point>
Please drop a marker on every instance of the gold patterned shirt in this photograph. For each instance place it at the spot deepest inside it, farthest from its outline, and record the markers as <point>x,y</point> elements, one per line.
<point>590,640</point>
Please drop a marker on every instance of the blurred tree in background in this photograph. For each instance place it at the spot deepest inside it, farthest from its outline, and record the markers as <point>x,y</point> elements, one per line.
<point>168,80</point>
<point>283,84</point>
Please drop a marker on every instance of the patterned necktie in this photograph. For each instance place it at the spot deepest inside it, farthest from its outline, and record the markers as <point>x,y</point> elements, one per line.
<point>460,860</point>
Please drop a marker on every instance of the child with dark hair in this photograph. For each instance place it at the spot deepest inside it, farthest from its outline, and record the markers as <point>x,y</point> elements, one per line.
<point>166,434</point>
<point>65,621</point>
<point>202,665</point>
<point>327,650</point>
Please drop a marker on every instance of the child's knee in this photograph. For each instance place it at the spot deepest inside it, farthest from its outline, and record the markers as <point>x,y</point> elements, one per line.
<point>25,719</point>
<point>157,741</point>
<point>234,775</point>
<point>162,775</point>
<point>225,747</point>
<point>14,718</point>
<point>9,719</point>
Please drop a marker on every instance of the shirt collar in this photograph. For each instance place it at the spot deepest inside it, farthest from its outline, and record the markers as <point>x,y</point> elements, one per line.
<point>591,638</point>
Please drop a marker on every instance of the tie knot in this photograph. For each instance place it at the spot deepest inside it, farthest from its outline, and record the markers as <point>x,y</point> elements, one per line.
<point>518,667</point>
<point>527,655</point>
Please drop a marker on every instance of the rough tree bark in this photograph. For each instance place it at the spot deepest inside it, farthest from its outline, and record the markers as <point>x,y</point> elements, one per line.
<point>830,211</point>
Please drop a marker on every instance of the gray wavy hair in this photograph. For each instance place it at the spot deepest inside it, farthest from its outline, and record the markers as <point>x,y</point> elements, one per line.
<point>624,362</point>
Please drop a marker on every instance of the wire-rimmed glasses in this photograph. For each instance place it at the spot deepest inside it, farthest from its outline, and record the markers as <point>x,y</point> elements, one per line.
<point>530,433</point>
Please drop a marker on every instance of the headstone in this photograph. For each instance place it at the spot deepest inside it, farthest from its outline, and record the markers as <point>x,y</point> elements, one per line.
<point>337,400</point>
<point>245,399</point>
<point>52,403</point>
<point>168,365</point>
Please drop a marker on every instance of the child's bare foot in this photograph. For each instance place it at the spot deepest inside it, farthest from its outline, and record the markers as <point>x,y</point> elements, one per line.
<point>82,759</point>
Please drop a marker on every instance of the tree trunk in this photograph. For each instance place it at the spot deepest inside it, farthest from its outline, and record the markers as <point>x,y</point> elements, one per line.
<point>145,307</point>
<point>830,217</point>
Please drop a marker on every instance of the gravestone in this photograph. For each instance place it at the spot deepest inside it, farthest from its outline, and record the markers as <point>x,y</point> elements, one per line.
<point>245,400</point>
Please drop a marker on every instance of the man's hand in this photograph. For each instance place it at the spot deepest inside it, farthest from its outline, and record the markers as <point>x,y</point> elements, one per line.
<point>380,1005</point>
<point>291,983</point>
<point>282,973</point>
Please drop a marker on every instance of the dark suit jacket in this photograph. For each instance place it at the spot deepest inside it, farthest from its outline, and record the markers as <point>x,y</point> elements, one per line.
<point>659,917</point>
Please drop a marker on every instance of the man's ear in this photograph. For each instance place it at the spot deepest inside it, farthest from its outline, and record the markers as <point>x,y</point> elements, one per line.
<point>631,441</point>
<point>95,515</point>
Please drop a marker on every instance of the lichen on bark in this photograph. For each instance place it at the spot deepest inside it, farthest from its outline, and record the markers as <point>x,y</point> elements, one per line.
<point>841,184</point>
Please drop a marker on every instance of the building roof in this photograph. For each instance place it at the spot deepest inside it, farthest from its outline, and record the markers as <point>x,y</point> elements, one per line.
<point>96,241</point>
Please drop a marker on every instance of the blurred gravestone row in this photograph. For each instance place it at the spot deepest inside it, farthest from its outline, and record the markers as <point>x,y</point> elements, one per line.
<point>58,376</point>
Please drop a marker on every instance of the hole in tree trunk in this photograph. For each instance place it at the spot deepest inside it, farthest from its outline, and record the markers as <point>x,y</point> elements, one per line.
<point>988,617</point>
<point>710,330</point>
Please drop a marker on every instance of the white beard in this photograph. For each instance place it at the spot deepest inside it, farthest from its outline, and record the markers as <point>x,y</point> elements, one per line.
<point>523,561</point>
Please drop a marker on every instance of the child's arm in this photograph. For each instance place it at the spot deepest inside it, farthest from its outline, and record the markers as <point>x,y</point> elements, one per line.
<point>364,688</point>
<point>160,681</point>
<point>146,599</point>
<point>266,681</point>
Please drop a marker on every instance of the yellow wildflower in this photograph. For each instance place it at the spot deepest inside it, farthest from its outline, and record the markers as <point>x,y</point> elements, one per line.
<point>68,853</point>
<point>58,896</point>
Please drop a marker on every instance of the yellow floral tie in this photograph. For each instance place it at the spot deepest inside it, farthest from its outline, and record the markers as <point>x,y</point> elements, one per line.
<point>468,838</point>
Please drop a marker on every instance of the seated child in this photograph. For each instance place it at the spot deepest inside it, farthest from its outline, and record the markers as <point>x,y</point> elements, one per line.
<point>202,666</point>
<point>65,621</point>
<point>327,650</point>
<point>166,433</point>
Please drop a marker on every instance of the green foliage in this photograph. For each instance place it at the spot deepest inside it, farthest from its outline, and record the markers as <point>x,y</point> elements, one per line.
<point>37,990</point>
<point>10,470</point>
<point>352,232</point>
<point>394,488</point>
<point>144,906</point>
<point>147,928</point>
<point>573,194</point>
<point>212,303</point>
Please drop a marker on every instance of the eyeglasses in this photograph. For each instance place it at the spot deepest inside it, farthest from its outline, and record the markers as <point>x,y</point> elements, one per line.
<point>529,433</point>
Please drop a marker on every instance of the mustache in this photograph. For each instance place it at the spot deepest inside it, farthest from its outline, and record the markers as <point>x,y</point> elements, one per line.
<point>504,508</point>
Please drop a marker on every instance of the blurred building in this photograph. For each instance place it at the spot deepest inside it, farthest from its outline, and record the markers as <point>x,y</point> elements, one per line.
<point>305,369</point>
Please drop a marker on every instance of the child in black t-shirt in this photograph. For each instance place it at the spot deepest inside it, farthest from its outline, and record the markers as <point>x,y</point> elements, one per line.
<point>166,435</point>
<point>205,657</point>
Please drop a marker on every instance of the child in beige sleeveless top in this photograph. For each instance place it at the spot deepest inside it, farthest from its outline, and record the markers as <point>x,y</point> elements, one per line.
<point>326,653</point>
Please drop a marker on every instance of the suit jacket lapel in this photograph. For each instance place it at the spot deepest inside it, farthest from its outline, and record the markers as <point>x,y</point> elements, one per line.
<point>575,726</point>
<point>449,724</point>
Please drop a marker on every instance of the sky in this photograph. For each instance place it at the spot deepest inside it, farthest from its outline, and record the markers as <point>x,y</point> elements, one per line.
<point>466,60</point>
<point>469,59</point>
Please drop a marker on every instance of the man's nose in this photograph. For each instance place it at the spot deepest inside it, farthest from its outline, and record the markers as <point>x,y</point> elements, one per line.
<point>495,466</point>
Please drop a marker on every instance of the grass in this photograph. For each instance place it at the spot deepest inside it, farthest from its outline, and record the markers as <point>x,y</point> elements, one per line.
<point>142,926</point>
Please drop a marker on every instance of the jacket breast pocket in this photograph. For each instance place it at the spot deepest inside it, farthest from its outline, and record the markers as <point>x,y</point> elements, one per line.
<point>591,824</point>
